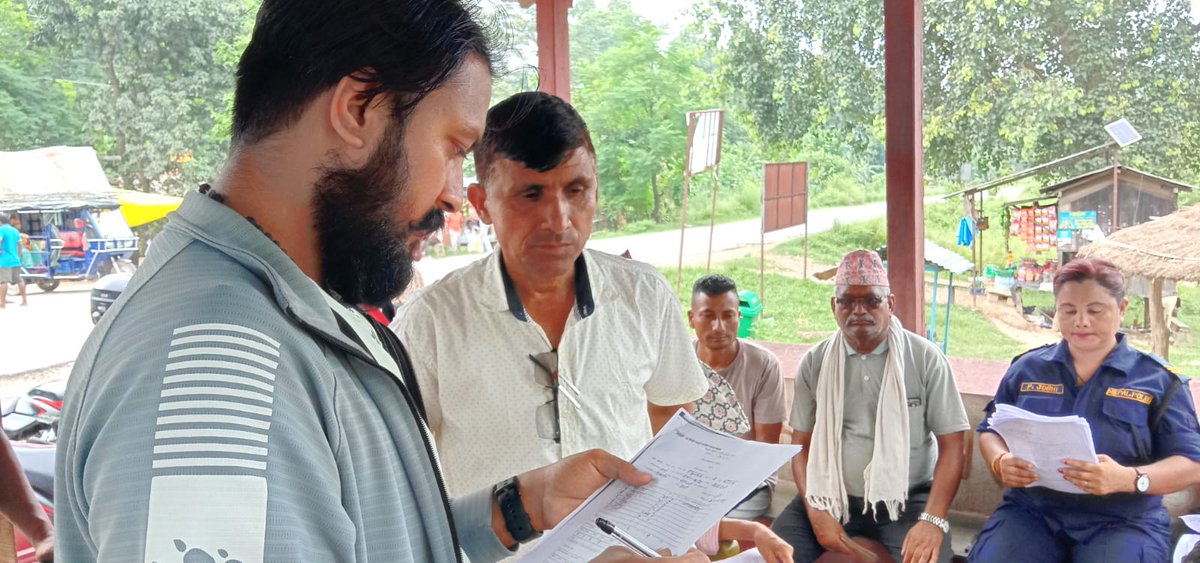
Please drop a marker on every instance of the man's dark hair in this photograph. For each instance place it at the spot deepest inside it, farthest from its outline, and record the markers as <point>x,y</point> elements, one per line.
<point>300,48</point>
<point>535,129</point>
<point>714,285</point>
<point>3,218</point>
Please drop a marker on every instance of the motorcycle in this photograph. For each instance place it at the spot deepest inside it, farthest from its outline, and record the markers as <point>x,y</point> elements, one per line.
<point>33,417</point>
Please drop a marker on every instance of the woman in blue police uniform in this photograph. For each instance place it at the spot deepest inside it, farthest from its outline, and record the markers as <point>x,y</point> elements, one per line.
<point>1143,424</point>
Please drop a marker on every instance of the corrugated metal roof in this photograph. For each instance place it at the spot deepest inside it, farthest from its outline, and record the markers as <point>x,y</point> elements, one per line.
<point>1107,171</point>
<point>935,256</point>
<point>946,259</point>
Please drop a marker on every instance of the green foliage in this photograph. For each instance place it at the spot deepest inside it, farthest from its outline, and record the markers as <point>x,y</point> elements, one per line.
<point>1008,83</point>
<point>1043,78</point>
<point>34,107</point>
<point>829,247</point>
<point>634,88</point>
<point>153,80</point>
<point>634,97</point>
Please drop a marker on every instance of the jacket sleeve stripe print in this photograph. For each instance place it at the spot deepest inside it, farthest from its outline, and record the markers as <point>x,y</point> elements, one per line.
<point>211,444</point>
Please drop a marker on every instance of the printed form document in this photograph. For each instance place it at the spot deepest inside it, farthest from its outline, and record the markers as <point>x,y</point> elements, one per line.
<point>1045,441</point>
<point>700,474</point>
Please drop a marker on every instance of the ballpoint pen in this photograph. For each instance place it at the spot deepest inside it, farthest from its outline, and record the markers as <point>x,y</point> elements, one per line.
<point>629,541</point>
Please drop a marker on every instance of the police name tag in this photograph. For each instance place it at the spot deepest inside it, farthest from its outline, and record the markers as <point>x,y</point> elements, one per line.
<point>1130,394</point>
<point>1047,388</point>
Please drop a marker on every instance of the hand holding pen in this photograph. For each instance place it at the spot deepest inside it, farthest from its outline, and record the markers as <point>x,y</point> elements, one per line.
<point>635,550</point>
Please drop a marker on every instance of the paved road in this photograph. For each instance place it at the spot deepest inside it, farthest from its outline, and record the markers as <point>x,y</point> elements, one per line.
<point>52,329</point>
<point>662,248</point>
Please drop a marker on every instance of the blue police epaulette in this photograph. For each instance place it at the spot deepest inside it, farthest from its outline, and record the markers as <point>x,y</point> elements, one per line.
<point>1167,366</point>
<point>1031,350</point>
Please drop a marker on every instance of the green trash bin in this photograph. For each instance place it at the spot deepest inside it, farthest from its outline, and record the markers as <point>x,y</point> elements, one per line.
<point>751,307</point>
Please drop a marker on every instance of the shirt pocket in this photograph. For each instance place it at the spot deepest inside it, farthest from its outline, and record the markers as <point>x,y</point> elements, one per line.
<point>1124,432</point>
<point>1041,403</point>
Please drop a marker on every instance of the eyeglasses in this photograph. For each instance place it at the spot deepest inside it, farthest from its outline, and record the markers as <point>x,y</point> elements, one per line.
<point>868,303</point>
<point>545,373</point>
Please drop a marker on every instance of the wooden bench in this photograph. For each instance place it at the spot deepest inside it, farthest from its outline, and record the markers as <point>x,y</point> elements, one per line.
<point>998,295</point>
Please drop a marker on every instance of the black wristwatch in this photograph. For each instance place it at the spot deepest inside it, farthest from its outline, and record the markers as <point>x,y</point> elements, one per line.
<point>516,520</point>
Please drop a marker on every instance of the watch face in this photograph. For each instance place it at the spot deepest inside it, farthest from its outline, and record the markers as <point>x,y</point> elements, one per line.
<point>1143,483</point>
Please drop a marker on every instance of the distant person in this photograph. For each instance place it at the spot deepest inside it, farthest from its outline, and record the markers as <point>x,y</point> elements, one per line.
<point>10,258</point>
<point>454,229</point>
<point>1143,426</point>
<point>752,371</point>
<point>882,426</point>
<point>566,349</point>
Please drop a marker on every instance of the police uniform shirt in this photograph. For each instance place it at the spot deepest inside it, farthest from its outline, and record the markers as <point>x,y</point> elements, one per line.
<point>1117,402</point>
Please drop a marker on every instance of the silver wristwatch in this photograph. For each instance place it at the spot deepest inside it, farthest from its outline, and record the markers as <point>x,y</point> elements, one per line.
<point>936,521</point>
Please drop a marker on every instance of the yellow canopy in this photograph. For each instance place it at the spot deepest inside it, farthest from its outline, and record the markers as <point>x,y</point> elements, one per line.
<point>140,208</point>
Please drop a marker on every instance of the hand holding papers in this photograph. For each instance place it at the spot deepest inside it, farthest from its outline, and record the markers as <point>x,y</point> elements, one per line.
<point>699,475</point>
<point>1189,542</point>
<point>1045,441</point>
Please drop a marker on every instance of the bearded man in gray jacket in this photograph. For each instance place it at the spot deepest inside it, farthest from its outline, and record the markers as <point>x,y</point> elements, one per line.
<point>234,404</point>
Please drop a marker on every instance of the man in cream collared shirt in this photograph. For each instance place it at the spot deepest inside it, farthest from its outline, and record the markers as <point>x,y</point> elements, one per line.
<point>544,349</point>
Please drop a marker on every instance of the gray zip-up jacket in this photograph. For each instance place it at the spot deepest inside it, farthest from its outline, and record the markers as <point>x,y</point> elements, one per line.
<point>222,412</point>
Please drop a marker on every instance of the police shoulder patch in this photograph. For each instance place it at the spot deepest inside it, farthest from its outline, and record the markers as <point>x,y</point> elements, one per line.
<point>1130,395</point>
<point>1167,366</point>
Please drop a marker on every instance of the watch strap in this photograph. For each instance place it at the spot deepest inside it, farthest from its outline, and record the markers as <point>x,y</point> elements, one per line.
<point>516,520</point>
<point>1137,481</point>
<point>938,521</point>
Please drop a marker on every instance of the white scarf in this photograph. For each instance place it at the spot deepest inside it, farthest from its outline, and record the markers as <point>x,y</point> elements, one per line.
<point>887,474</point>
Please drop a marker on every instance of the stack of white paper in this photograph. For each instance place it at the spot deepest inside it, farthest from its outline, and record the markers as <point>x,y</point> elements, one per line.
<point>1188,542</point>
<point>1045,441</point>
<point>699,475</point>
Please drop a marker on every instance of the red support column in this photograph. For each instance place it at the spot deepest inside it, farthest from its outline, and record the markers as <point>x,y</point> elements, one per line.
<point>554,48</point>
<point>903,31</point>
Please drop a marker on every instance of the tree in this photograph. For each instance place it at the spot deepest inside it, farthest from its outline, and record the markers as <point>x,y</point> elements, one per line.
<point>34,107</point>
<point>1008,83</point>
<point>635,97</point>
<point>1032,80</point>
<point>163,86</point>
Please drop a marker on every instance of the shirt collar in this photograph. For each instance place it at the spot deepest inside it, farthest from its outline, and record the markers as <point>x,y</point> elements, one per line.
<point>879,350</point>
<point>584,301</point>
<point>216,225</point>
<point>1122,358</point>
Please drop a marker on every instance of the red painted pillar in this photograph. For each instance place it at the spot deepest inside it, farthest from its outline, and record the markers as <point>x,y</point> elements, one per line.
<point>554,48</point>
<point>903,31</point>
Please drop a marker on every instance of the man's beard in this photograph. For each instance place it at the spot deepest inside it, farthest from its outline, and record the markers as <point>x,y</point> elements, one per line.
<point>361,238</point>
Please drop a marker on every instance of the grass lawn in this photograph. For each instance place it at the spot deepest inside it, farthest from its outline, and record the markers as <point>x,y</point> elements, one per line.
<point>941,227</point>
<point>829,247</point>
<point>797,311</point>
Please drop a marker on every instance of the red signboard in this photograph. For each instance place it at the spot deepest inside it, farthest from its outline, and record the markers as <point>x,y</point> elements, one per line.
<point>785,195</point>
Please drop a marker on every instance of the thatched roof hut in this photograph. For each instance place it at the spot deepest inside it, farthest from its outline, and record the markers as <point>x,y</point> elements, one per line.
<point>1167,248</point>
